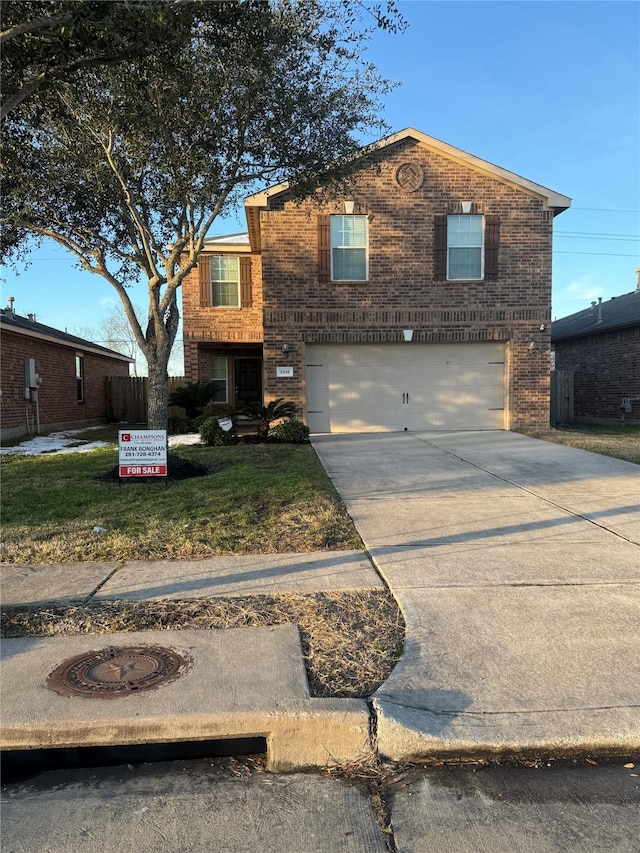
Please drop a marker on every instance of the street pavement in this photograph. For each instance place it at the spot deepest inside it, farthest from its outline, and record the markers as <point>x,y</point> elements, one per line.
<point>222,806</point>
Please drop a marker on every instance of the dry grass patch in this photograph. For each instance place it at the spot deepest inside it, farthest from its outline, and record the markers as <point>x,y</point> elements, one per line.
<point>619,442</point>
<point>350,640</point>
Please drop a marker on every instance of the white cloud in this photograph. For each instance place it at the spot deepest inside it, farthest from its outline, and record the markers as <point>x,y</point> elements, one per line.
<point>583,289</point>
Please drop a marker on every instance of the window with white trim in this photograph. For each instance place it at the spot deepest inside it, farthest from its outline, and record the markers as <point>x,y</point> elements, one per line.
<point>465,247</point>
<point>225,282</point>
<point>219,375</point>
<point>349,255</point>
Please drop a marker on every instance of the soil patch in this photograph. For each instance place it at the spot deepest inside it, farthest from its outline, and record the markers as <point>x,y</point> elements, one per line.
<point>178,468</point>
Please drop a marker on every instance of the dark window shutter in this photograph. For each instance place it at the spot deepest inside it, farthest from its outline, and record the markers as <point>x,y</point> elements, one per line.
<point>439,248</point>
<point>324,248</point>
<point>204,274</point>
<point>245,282</point>
<point>491,243</point>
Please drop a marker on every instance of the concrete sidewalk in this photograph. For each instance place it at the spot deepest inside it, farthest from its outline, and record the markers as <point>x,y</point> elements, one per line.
<point>252,574</point>
<point>517,566</point>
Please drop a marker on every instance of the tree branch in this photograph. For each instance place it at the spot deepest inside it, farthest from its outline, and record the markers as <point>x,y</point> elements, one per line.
<point>46,23</point>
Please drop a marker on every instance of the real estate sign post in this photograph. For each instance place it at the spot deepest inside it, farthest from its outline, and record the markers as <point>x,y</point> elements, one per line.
<point>142,453</point>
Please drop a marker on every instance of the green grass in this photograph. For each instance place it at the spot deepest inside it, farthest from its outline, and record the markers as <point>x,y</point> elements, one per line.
<point>260,499</point>
<point>617,441</point>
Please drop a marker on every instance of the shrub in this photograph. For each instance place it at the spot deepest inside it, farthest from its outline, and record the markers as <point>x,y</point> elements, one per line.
<point>264,416</point>
<point>223,410</point>
<point>178,425</point>
<point>212,434</point>
<point>193,397</point>
<point>291,431</point>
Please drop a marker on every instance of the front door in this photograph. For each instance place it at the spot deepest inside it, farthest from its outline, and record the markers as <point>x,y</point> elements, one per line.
<point>248,375</point>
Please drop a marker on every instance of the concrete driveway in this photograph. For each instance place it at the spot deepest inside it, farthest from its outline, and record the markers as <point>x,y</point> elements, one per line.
<point>517,566</point>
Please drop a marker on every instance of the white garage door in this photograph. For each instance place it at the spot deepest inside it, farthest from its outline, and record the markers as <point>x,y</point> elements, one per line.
<point>387,387</point>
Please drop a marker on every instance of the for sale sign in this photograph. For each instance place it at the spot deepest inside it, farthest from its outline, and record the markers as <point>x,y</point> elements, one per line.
<point>142,453</point>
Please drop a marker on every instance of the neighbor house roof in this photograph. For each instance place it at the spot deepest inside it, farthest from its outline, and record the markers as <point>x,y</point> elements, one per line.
<point>616,313</point>
<point>9,320</point>
<point>236,242</point>
<point>553,200</point>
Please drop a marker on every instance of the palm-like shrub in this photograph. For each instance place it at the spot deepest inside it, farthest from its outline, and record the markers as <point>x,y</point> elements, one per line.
<point>264,416</point>
<point>192,397</point>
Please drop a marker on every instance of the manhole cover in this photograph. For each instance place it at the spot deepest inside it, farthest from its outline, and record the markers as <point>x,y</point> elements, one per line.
<point>117,671</point>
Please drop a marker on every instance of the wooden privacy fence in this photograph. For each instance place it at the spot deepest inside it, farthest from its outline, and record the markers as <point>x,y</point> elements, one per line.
<point>561,397</point>
<point>126,397</point>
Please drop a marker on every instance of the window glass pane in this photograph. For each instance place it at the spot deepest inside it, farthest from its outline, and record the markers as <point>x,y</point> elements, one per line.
<point>349,248</point>
<point>349,231</point>
<point>349,264</point>
<point>465,263</point>
<point>464,247</point>
<point>225,282</point>
<point>80,378</point>
<point>218,375</point>
<point>464,230</point>
<point>226,293</point>
<point>225,269</point>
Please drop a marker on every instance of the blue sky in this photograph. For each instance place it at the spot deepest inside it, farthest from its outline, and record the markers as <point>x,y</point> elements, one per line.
<point>549,90</point>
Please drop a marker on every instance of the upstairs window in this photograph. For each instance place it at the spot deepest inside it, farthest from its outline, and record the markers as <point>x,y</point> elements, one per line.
<point>465,248</point>
<point>225,282</point>
<point>349,260</point>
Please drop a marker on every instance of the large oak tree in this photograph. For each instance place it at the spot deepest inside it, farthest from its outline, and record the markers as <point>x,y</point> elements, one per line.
<point>128,164</point>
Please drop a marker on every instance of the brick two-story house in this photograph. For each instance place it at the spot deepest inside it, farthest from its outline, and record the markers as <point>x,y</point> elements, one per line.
<point>420,301</point>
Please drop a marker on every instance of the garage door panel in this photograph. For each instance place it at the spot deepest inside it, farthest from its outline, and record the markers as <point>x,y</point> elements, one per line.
<point>371,388</point>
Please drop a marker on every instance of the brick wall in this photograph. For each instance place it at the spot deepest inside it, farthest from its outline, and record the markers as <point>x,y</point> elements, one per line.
<point>57,396</point>
<point>403,291</point>
<point>606,368</point>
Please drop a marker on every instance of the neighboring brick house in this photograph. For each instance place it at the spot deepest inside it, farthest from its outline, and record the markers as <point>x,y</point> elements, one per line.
<point>67,374</point>
<point>422,300</point>
<point>601,347</point>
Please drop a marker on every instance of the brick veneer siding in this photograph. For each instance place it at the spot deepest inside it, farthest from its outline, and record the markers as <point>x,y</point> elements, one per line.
<point>57,396</point>
<point>606,368</point>
<point>205,328</point>
<point>402,291</point>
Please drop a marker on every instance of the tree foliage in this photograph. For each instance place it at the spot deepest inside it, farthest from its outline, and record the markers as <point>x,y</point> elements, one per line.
<point>45,43</point>
<point>128,164</point>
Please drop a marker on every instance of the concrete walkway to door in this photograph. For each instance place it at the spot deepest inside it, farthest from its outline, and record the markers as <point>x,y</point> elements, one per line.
<point>517,566</point>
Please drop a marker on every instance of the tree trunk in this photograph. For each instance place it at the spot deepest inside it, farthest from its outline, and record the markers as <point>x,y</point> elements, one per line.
<point>158,397</point>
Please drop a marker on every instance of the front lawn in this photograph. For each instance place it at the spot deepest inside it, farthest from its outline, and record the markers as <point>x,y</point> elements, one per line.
<point>263,498</point>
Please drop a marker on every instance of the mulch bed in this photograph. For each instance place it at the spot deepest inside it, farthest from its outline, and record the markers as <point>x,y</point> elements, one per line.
<point>177,469</point>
